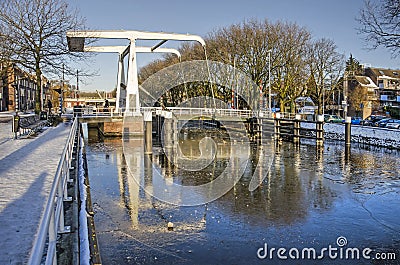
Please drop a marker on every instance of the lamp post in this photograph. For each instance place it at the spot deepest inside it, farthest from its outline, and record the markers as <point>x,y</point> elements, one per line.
<point>323,99</point>
<point>16,95</point>
<point>269,79</point>
<point>25,95</point>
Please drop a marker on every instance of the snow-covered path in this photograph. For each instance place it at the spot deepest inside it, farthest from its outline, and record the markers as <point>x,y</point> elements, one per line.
<point>27,169</point>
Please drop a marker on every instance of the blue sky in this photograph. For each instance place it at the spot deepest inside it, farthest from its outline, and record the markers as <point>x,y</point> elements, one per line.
<point>329,19</point>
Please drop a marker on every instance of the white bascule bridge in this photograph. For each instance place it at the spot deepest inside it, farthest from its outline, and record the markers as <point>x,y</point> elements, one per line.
<point>127,94</point>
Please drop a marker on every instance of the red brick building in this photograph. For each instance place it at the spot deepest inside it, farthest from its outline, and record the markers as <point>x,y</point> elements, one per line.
<point>18,89</point>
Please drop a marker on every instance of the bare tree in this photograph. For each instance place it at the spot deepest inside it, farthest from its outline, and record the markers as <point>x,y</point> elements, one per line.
<point>380,23</point>
<point>290,73</point>
<point>358,97</point>
<point>33,32</point>
<point>244,45</point>
<point>326,67</point>
<point>5,53</point>
<point>249,44</point>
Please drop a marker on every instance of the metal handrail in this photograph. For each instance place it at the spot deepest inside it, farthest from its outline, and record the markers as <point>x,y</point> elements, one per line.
<point>52,221</point>
<point>89,112</point>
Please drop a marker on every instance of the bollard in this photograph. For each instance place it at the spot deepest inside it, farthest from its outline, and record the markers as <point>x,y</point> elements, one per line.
<point>347,153</point>
<point>15,125</point>
<point>170,226</point>
<point>148,172</point>
<point>147,118</point>
<point>296,129</point>
<point>277,126</point>
<point>320,130</point>
<point>347,132</point>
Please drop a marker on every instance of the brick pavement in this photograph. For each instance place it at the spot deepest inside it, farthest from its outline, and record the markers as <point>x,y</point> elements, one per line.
<point>27,168</point>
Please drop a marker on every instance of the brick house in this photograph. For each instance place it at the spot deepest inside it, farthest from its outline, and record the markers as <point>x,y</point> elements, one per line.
<point>388,82</point>
<point>18,89</point>
<point>369,92</point>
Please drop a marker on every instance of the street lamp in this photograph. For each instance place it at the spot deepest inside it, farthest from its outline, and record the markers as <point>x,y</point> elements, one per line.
<point>1,99</point>
<point>16,95</point>
<point>269,80</point>
<point>323,98</point>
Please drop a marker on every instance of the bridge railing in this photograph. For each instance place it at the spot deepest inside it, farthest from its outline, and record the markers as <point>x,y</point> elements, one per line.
<point>52,221</point>
<point>89,111</point>
<point>180,111</point>
<point>213,112</point>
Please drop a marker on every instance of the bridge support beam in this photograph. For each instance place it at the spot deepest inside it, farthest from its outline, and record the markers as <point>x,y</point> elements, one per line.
<point>123,51</point>
<point>120,81</point>
<point>168,130</point>
<point>133,126</point>
<point>148,140</point>
<point>132,87</point>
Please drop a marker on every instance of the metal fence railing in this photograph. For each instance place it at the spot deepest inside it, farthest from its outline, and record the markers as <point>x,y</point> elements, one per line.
<point>89,112</point>
<point>179,111</point>
<point>52,221</point>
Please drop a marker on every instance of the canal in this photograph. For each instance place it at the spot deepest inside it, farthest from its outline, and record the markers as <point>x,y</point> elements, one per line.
<point>309,199</point>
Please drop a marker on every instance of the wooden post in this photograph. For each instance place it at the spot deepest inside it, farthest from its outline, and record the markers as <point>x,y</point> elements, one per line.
<point>347,132</point>
<point>320,130</point>
<point>277,126</point>
<point>296,129</point>
<point>347,138</point>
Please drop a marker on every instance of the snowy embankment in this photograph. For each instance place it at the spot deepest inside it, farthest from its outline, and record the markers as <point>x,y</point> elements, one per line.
<point>361,134</point>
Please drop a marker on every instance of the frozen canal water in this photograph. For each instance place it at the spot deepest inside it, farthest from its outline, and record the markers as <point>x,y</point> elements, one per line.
<point>309,200</point>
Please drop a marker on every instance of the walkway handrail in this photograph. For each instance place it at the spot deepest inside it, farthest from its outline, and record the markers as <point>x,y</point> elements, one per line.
<point>52,221</point>
<point>206,111</point>
<point>88,112</point>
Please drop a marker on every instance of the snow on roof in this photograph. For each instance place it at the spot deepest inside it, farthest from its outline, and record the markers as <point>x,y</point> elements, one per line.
<point>365,81</point>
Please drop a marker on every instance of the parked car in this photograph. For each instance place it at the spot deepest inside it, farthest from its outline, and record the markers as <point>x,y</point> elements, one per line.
<point>393,125</point>
<point>356,120</point>
<point>332,118</point>
<point>382,123</point>
<point>369,121</point>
